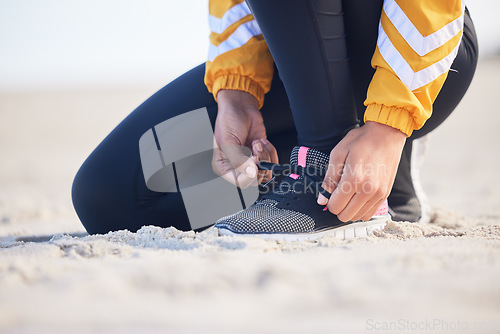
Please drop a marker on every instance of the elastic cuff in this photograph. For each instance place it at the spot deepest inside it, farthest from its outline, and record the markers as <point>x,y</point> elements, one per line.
<point>395,117</point>
<point>238,82</point>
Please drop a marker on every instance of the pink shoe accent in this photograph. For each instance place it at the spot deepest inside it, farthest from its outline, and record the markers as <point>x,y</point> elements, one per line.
<point>383,210</point>
<point>303,156</point>
<point>301,160</point>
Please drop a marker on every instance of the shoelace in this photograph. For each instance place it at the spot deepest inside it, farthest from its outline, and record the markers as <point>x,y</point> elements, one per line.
<point>314,174</point>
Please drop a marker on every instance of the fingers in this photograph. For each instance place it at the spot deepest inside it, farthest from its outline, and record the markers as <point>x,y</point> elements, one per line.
<point>333,174</point>
<point>357,196</point>
<point>243,165</point>
<point>271,149</point>
<point>238,164</point>
<point>265,151</point>
<point>353,195</point>
<point>362,169</point>
<point>260,153</point>
<point>243,175</point>
<point>239,179</point>
<point>361,207</point>
<point>235,164</point>
<point>371,212</point>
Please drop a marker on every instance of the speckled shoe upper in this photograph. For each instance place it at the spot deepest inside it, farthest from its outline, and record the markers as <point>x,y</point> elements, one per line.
<point>289,203</point>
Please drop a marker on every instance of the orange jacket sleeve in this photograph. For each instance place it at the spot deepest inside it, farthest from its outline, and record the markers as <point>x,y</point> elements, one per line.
<point>417,43</point>
<point>238,56</point>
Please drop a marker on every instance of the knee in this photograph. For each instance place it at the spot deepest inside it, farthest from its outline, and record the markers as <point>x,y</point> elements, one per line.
<point>81,197</point>
<point>88,195</point>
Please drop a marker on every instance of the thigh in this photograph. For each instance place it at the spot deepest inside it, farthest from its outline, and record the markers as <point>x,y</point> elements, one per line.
<point>306,41</point>
<point>109,191</point>
<point>361,19</point>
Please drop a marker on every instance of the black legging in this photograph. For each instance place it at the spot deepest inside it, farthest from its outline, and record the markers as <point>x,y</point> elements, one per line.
<point>109,192</point>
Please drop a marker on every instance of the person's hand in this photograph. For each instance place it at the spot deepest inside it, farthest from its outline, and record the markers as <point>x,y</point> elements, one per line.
<point>361,171</point>
<point>240,139</point>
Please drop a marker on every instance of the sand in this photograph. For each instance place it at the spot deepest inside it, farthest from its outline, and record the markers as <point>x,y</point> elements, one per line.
<point>439,277</point>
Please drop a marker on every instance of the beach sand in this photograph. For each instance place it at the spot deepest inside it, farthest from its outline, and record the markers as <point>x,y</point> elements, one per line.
<point>440,277</point>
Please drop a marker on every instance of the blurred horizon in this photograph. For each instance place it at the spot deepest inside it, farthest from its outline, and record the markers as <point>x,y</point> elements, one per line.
<point>69,44</point>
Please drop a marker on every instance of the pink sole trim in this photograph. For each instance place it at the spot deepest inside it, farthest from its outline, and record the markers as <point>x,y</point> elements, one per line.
<point>294,176</point>
<point>383,210</point>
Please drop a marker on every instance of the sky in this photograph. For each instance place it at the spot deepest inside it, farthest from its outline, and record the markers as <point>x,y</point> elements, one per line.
<point>65,44</point>
<point>61,43</point>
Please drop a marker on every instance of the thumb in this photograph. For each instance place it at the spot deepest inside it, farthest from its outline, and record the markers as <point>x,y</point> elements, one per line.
<point>245,170</point>
<point>333,173</point>
<point>234,163</point>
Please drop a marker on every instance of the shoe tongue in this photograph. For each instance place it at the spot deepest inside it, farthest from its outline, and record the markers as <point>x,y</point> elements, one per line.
<point>309,157</point>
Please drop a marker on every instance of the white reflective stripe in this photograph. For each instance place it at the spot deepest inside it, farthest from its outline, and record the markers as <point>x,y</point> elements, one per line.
<point>413,80</point>
<point>431,73</point>
<point>420,44</point>
<point>234,14</point>
<point>393,58</point>
<point>238,38</point>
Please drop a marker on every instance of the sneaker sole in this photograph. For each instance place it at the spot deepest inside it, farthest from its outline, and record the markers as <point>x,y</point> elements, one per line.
<point>346,232</point>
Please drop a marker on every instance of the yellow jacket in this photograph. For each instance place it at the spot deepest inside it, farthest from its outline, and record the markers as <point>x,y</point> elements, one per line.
<point>417,43</point>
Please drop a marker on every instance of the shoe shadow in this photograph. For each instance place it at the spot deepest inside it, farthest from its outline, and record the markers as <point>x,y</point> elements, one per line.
<point>45,238</point>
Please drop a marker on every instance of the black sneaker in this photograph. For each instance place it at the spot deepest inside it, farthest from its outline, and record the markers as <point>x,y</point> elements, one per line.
<point>287,207</point>
<point>407,201</point>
